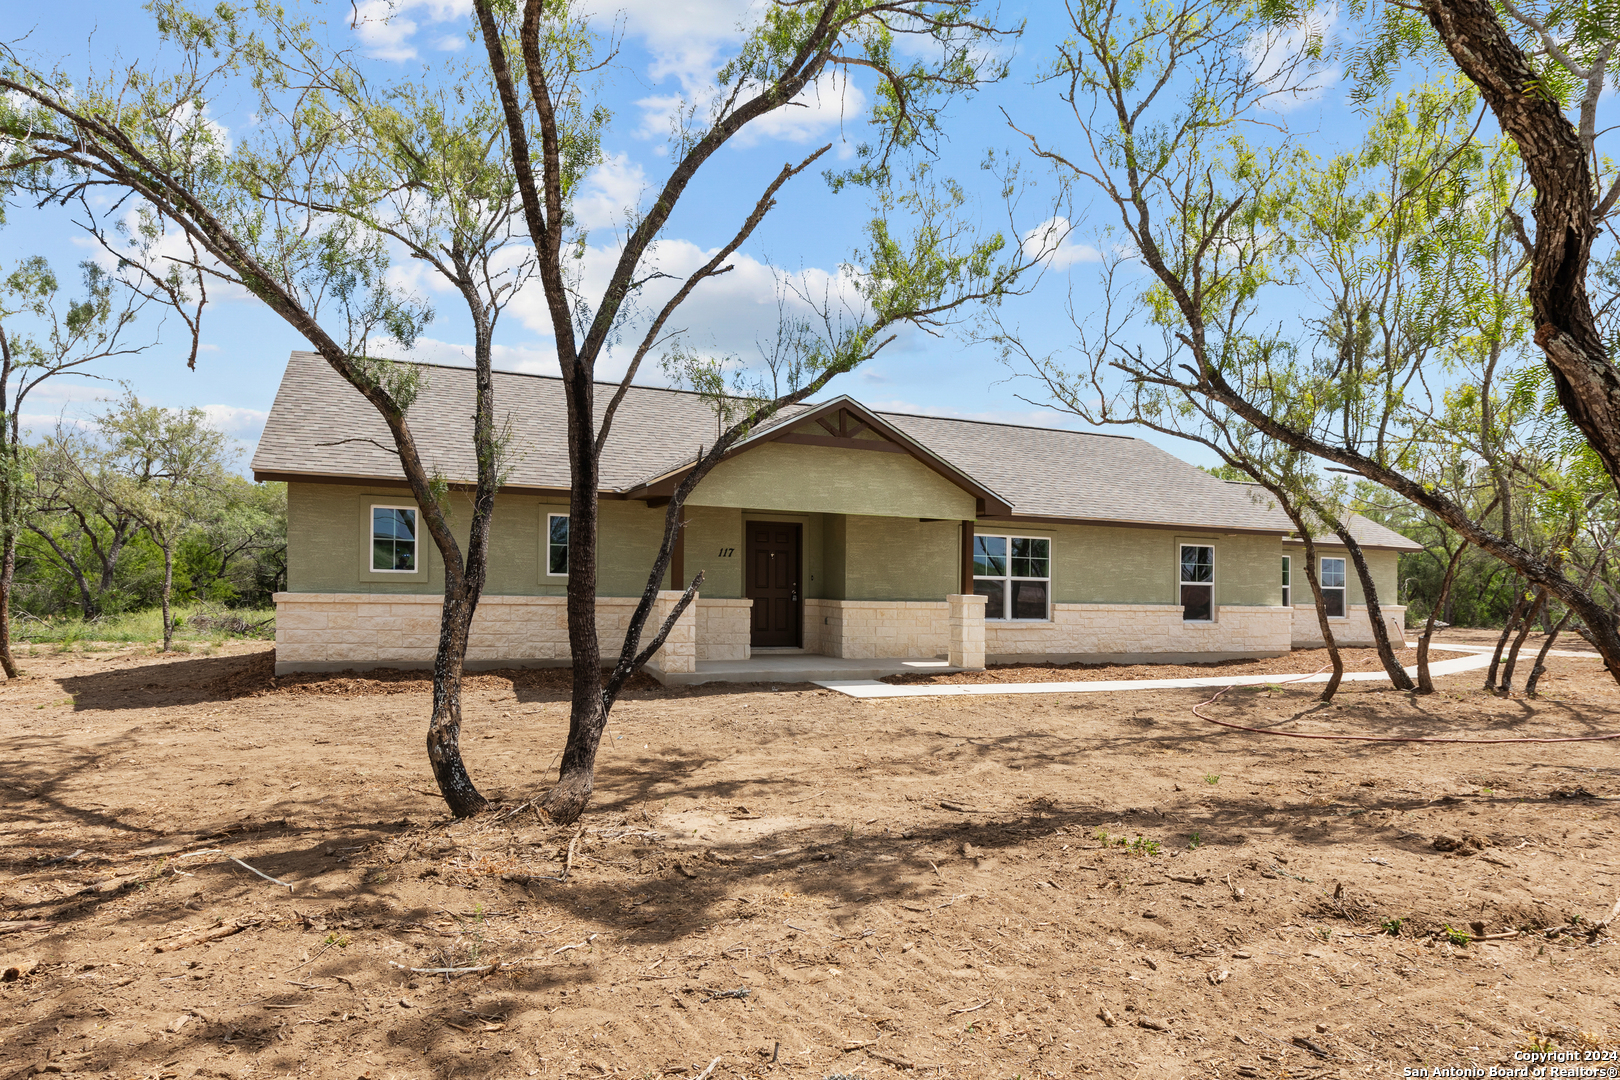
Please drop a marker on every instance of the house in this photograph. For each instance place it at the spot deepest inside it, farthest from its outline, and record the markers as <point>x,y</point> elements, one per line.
<point>860,539</point>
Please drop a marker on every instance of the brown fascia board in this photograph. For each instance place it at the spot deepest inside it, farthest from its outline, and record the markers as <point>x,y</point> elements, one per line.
<point>664,484</point>
<point>1124,523</point>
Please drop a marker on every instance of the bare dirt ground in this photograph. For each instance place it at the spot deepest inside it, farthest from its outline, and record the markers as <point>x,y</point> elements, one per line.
<point>795,884</point>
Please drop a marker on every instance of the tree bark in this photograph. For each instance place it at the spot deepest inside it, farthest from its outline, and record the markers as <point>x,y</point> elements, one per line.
<point>1501,642</point>
<point>444,727</point>
<point>1587,382</point>
<point>1424,681</point>
<point>1375,615</point>
<point>8,573</point>
<point>1332,646</point>
<point>587,714</point>
<point>1527,625</point>
<point>1541,657</point>
<point>168,587</point>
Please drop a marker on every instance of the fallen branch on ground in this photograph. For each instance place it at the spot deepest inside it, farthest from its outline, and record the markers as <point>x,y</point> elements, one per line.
<point>224,930</point>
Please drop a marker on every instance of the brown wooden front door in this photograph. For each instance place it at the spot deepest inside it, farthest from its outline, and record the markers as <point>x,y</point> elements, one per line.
<point>773,584</point>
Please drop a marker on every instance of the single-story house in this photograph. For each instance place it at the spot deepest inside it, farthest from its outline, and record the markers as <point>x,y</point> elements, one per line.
<point>836,531</point>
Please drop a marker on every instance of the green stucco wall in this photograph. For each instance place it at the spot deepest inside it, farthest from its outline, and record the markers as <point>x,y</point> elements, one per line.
<point>826,479</point>
<point>1385,567</point>
<point>891,558</point>
<point>326,543</point>
<point>847,556</point>
<point>1100,564</point>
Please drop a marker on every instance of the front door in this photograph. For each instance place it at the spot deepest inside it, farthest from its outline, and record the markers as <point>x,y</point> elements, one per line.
<point>773,584</point>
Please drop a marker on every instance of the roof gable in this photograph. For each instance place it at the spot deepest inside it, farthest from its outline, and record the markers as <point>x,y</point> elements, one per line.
<point>842,423</point>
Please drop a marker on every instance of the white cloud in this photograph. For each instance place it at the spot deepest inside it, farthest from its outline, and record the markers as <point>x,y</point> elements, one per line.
<point>529,359</point>
<point>725,315</point>
<point>167,250</point>
<point>1052,241</point>
<point>1276,60</point>
<point>610,190</point>
<point>245,424</point>
<point>825,105</point>
<point>213,133</point>
<point>386,27</point>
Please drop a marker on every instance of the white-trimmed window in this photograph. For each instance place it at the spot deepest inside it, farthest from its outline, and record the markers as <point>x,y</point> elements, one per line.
<point>1014,575</point>
<point>1197,583</point>
<point>393,539</point>
<point>1288,584</point>
<point>1333,587</point>
<point>556,545</point>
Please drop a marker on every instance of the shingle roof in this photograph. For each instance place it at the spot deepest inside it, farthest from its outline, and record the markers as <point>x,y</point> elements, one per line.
<point>320,426</point>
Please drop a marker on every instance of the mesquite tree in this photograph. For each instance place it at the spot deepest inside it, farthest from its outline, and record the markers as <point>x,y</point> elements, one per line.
<point>42,338</point>
<point>270,217</point>
<point>919,279</point>
<point>163,468</point>
<point>1159,97</point>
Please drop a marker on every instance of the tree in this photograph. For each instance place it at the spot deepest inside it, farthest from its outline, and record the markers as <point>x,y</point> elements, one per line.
<point>1157,102</point>
<point>165,469</point>
<point>85,534</point>
<point>918,280</point>
<point>1530,96</point>
<point>251,215</point>
<point>65,341</point>
<point>243,536</point>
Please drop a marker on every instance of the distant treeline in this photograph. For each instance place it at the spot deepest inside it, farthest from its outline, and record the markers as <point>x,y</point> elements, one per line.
<point>109,513</point>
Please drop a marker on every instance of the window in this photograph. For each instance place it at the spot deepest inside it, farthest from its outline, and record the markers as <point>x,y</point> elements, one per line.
<point>1197,583</point>
<point>393,539</point>
<point>1014,574</point>
<point>557,545</point>
<point>1333,587</point>
<point>1288,592</point>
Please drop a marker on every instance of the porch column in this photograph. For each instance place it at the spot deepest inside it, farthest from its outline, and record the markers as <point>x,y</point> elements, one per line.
<point>967,556</point>
<point>967,631</point>
<point>679,651</point>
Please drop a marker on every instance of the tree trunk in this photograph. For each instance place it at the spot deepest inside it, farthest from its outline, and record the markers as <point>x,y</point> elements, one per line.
<point>587,714</point>
<point>1527,625</point>
<point>1425,683</point>
<point>168,587</point>
<point>1375,615</point>
<point>1501,642</point>
<point>8,572</point>
<point>1541,657</point>
<point>1587,382</point>
<point>87,600</point>
<point>444,727</point>
<point>1332,646</point>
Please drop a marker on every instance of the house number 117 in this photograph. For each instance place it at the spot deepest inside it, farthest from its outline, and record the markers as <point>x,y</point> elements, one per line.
<point>726,553</point>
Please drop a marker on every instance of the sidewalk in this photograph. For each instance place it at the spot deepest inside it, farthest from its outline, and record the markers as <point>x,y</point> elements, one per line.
<point>1477,658</point>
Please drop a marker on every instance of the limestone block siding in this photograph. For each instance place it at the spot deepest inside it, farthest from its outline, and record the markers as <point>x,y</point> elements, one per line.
<point>867,629</point>
<point>1139,632</point>
<point>723,629</point>
<point>1355,630</point>
<point>333,631</point>
<point>678,654</point>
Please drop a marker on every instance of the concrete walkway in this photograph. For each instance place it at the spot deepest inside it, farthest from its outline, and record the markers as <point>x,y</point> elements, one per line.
<point>868,688</point>
<point>797,667</point>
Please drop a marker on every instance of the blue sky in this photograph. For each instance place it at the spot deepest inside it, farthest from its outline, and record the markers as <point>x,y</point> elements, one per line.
<point>671,49</point>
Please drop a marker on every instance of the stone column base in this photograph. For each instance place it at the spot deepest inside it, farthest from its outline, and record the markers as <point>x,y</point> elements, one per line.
<point>967,631</point>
